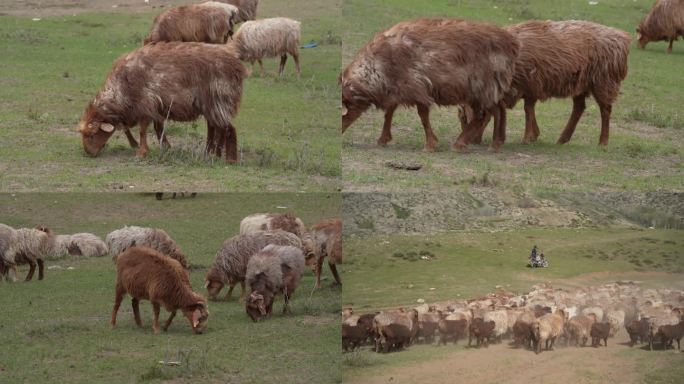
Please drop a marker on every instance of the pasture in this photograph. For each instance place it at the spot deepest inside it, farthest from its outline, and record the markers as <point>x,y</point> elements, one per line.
<point>391,271</point>
<point>55,60</point>
<point>57,330</point>
<point>645,148</point>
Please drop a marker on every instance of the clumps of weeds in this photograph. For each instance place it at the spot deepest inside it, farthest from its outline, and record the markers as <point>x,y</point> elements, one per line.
<point>657,119</point>
<point>484,180</point>
<point>332,39</point>
<point>412,256</point>
<point>182,364</point>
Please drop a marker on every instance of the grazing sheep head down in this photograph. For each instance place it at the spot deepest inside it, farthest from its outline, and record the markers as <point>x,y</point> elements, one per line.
<point>197,314</point>
<point>256,306</point>
<point>94,132</point>
<point>354,101</point>
<point>213,283</point>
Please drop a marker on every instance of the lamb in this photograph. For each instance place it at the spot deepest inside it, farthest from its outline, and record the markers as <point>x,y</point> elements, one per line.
<point>665,22</point>
<point>599,331</point>
<point>547,328</point>
<point>668,333</point>
<point>247,9</point>
<point>80,244</point>
<point>25,246</point>
<point>450,329</point>
<point>638,331</point>
<point>230,262</point>
<point>578,328</point>
<point>566,59</point>
<point>285,221</point>
<point>157,239</point>
<point>275,269</point>
<point>327,239</point>
<point>278,36</point>
<point>145,273</point>
<point>210,22</point>
<point>431,61</point>
<point>175,80</point>
<point>395,328</point>
<point>500,319</point>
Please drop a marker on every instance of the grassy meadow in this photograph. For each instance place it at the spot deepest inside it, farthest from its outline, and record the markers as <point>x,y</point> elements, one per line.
<point>51,68</point>
<point>645,148</point>
<point>57,330</point>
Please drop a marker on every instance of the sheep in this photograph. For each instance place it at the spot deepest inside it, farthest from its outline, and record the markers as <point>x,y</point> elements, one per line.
<point>482,331</point>
<point>655,323</point>
<point>157,239</point>
<point>431,61</point>
<point>547,328</point>
<point>566,59</point>
<point>665,22</point>
<point>616,318</point>
<point>175,80</point>
<point>500,319</point>
<point>522,334</point>
<point>285,221</point>
<point>80,244</point>
<point>668,333</point>
<point>599,331</point>
<point>210,22</point>
<point>275,269</point>
<point>427,326</point>
<point>356,329</point>
<point>247,9</point>
<point>278,36</point>
<point>25,246</point>
<point>230,262</point>
<point>327,240</point>
<point>395,328</point>
<point>578,328</point>
<point>145,273</point>
<point>597,311</point>
<point>449,328</point>
<point>638,331</point>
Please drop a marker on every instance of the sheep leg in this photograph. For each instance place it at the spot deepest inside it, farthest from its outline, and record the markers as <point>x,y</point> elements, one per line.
<point>14,273</point>
<point>669,48</point>
<point>161,135</point>
<point>32,269</point>
<point>155,323</point>
<point>243,293</point>
<point>430,138</point>
<point>295,56</point>
<point>333,269</point>
<point>319,267</point>
<point>41,269</point>
<point>531,127</point>
<point>606,110</point>
<point>578,107</point>
<point>142,151</point>
<point>131,138</point>
<point>499,113</point>
<point>230,293</point>
<point>386,135</point>
<point>120,292</point>
<point>281,68</point>
<point>473,131</point>
<point>261,68</point>
<point>168,321</point>
<point>231,144</point>
<point>286,300</point>
<point>135,303</point>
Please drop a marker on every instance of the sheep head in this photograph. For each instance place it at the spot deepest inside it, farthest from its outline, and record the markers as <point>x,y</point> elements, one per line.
<point>94,135</point>
<point>354,103</point>
<point>198,315</point>
<point>256,306</point>
<point>213,287</point>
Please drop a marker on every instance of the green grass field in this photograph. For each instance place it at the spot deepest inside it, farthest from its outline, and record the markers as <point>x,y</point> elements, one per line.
<point>57,330</point>
<point>645,148</point>
<point>51,68</point>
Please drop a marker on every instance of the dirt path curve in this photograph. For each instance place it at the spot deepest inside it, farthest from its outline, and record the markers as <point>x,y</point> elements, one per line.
<point>500,363</point>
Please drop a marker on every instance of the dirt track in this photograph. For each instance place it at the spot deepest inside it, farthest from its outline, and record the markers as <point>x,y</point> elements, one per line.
<point>43,8</point>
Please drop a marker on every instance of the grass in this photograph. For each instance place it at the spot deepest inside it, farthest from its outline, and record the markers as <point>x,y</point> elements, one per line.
<point>57,330</point>
<point>645,150</point>
<point>287,128</point>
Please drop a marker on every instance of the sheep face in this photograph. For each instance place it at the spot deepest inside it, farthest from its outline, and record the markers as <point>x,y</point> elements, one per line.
<point>94,135</point>
<point>354,104</point>
<point>213,288</point>
<point>256,306</point>
<point>198,315</point>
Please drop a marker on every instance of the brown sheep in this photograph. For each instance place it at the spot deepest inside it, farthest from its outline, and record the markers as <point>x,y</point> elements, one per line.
<point>356,330</point>
<point>431,61</point>
<point>427,326</point>
<point>665,22</point>
<point>560,59</point>
<point>394,328</point>
<point>599,331</point>
<point>247,9</point>
<point>176,81</point>
<point>547,328</point>
<point>669,333</point>
<point>482,331</point>
<point>146,274</point>
<point>450,329</point>
<point>209,22</point>
<point>638,331</point>
<point>522,334</point>
<point>327,240</point>
<point>578,328</point>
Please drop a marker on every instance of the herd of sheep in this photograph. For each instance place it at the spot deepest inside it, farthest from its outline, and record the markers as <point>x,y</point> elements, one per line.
<point>189,66</point>
<point>484,69</point>
<point>269,256</point>
<point>536,320</point>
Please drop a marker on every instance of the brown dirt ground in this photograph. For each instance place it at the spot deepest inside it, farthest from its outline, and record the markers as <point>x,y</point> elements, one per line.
<point>44,8</point>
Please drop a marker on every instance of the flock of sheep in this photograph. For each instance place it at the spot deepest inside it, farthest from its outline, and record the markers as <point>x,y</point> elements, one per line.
<point>535,320</point>
<point>189,65</point>
<point>484,69</point>
<point>269,256</point>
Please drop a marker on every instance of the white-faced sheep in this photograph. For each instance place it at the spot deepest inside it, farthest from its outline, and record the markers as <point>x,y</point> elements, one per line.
<point>275,37</point>
<point>210,22</point>
<point>275,269</point>
<point>146,274</point>
<point>616,319</point>
<point>665,22</point>
<point>157,239</point>
<point>25,246</point>
<point>327,240</point>
<point>80,244</point>
<point>247,9</point>
<point>230,263</point>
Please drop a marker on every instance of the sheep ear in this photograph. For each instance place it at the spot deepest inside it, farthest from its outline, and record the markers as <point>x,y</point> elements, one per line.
<point>195,318</point>
<point>106,127</point>
<point>345,111</point>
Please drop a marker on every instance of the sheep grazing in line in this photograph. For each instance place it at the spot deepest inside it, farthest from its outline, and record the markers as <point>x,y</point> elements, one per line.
<point>578,329</point>
<point>356,329</point>
<point>157,239</point>
<point>210,22</point>
<point>146,274</point>
<point>665,22</point>
<point>560,59</point>
<point>327,239</point>
<point>599,331</point>
<point>670,333</point>
<point>450,329</point>
<point>275,37</point>
<point>431,61</point>
<point>638,331</point>
<point>230,262</point>
<point>25,246</point>
<point>275,269</point>
<point>285,221</point>
<point>547,328</point>
<point>176,81</point>
<point>247,9</point>
<point>80,244</point>
<point>395,329</point>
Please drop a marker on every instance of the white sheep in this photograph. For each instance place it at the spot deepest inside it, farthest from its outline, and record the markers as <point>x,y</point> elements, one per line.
<point>272,37</point>
<point>80,244</point>
<point>25,246</point>
<point>157,239</point>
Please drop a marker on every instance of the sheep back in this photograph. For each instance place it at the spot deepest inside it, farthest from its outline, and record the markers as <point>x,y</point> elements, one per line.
<point>665,21</point>
<point>120,240</point>
<point>267,38</point>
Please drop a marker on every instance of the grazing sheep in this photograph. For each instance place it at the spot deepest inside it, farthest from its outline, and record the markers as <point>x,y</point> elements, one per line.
<point>230,262</point>
<point>431,61</point>
<point>450,329</point>
<point>665,22</point>
<point>275,269</point>
<point>209,22</point>
<point>6,236</point>
<point>356,330</point>
<point>121,239</point>
<point>668,333</point>
<point>395,329</point>
<point>547,328</point>
<point>247,9</point>
<point>327,240</point>
<point>176,81</point>
<point>284,221</point>
<point>144,273</point>
<point>278,36</point>
<point>25,246</point>
<point>80,244</point>
<point>578,328</point>
<point>599,331</point>
<point>500,319</point>
<point>638,331</point>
